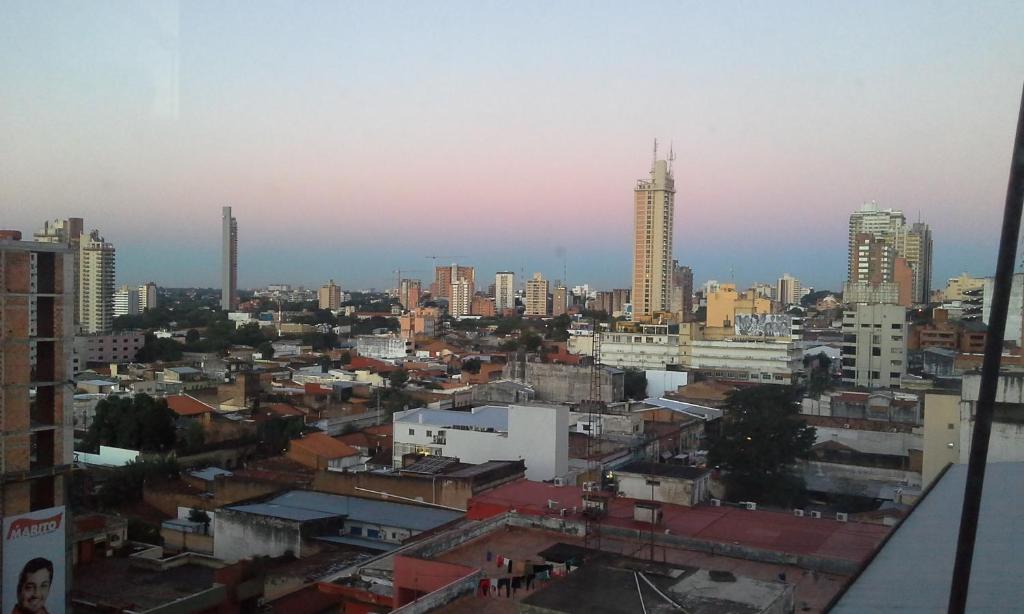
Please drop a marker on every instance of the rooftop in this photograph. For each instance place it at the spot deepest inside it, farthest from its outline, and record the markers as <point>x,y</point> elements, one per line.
<point>185,405</point>
<point>323,445</point>
<point>493,417</point>
<point>920,553</point>
<point>664,470</point>
<point>117,583</point>
<point>304,505</point>
<point>700,411</point>
<point>761,529</point>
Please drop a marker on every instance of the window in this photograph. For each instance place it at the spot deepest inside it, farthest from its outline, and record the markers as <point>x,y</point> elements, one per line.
<point>412,431</point>
<point>950,426</point>
<point>876,351</point>
<point>430,433</point>
<point>355,530</point>
<point>897,326</point>
<point>894,374</point>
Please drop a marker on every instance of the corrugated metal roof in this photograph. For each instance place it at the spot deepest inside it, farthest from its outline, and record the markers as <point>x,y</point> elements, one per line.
<point>920,554</point>
<point>310,505</point>
<point>708,413</point>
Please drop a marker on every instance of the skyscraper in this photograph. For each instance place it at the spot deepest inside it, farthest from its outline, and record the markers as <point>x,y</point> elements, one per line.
<point>409,291</point>
<point>654,203</point>
<point>461,298</point>
<point>788,290</point>
<point>96,277</point>
<point>445,276</point>
<point>559,299</point>
<point>147,296</point>
<point>329,296</point>
<point>504,290</point>
<point>66,232</point>
<point>889,227</point>
<point>682,291</point>
<point>915,244</point>
<point>229,261</point>
<point>537,296</point>
<point>36,433</point>
<point>126,301</point>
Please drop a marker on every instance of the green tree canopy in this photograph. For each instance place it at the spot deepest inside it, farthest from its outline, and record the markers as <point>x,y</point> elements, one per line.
<point>471,366</point>
<point>636,384</point>
<point>762,437</point>
<point>398,378</point>
<point>138,423</point>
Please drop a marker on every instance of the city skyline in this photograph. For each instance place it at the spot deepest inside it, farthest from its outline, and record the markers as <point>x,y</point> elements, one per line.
<point>792,126</point>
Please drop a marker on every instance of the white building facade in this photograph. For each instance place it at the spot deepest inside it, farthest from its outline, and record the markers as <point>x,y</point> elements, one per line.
<point>536,434</point>
<point>504,290</point>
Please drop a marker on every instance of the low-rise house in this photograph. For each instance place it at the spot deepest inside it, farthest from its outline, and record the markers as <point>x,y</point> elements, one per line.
<point>322,452</point>
<point>677,484</point>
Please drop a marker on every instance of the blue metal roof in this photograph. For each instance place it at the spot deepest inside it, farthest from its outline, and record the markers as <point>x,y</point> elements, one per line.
<point>305,505</point>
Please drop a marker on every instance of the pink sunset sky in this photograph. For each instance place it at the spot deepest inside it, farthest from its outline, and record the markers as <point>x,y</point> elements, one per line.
<point>354,139</point>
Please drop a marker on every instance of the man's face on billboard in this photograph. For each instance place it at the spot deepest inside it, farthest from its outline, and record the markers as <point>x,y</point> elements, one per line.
<point>33,593</point>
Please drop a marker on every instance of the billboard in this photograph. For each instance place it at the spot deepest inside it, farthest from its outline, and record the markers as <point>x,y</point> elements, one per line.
<point>763,325</point>
<point>35,562</point>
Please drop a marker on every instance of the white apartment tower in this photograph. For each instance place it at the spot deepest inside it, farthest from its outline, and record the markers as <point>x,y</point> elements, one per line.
<point>654,203</point>
<point>874,345</point>
<point>504,290</point>
<point>126,301</point>
<point>96,278</point>
<point>788,289</point>
<point>147,296</point>
<point>537,296</point>
<point>229,261</point>
<point>461,297</point>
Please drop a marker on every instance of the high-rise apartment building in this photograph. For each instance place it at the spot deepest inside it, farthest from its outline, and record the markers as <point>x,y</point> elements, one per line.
<point>409,291</point>
<point>682,290</point>
<point>96,269</point>
<point>788,290</point>
<point>537,296</point>
<point>914,243</point>
<point>874,350</point>
<point>461,299</point>
<point>445,276</point>
<point>654,203</point>
<point>147,296</point>
<point>36,436</point>
<point>66,232</point>
<point>504,291</point>
<point>329,296</point>
<point>559,300</point>
<point>229,261</point>
<point>126,301</point>
<point>871,225</point>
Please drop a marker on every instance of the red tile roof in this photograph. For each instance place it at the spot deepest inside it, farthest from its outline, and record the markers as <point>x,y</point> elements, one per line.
<point>371,364</point>
<point>185,405</point>
<point>324,446</point>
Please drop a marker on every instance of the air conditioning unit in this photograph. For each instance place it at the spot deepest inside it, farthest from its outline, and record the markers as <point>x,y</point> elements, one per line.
<point>559,481</point>
<point>562,512</point>
<point>841,516</point>
<point>552,504</point>
<point>716,503</point>
<point>751,505</point>
<point>815,514</point>
<point>798,513</point>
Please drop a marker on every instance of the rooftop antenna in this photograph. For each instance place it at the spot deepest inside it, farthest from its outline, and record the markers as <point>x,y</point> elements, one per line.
<point>672,157</point>
<point>654,158</point>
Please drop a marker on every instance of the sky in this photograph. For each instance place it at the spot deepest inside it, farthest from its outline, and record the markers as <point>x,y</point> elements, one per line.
<point>353,139</point>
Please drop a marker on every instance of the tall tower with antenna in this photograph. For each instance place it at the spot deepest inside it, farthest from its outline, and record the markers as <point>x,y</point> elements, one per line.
<point>653,208</point>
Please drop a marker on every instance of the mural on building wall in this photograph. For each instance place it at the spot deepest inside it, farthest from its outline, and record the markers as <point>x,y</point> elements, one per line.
<point>763,325</point>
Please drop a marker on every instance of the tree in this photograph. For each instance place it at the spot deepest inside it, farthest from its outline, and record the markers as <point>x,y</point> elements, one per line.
<point>158,349</point>
<point>192,336</point>
<point>274,434</point>
<point>197,515</point>
<point>266,350</point>
<point>345,358</point>
<point>635,384</point>
<point>192,440</point>
<point>398,378</point>
<point>471,366</point>
<point>530,341</point>
<point>762,437</point>
<point>557,329</point>
<point>819,374</point>
<point>139,423</point>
